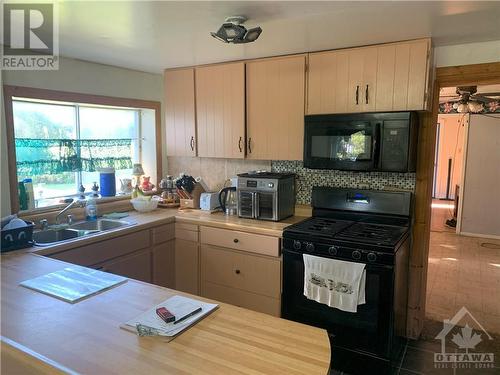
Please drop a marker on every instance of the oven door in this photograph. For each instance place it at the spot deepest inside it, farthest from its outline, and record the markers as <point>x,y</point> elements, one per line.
<point>246,203</point>
<point>331,142</point>
<point>367,330</point>
<point>266,206</point>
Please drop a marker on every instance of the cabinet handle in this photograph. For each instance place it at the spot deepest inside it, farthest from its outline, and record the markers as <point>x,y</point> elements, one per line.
<point>357,95</point>
<point>366,95</point>
<point>237,272</point>
<point>192,143</point>
<point>236,240</point>
<point>240,144</point>
<point>250,145</point>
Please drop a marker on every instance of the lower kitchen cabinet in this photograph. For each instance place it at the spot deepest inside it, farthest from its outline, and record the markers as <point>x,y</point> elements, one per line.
<point>243,279</point>
<point>135,266</point>
<point>163,264</point>
<point>186,266</point>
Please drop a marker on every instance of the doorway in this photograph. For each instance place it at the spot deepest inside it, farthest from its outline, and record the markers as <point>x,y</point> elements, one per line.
<point>464,267</point>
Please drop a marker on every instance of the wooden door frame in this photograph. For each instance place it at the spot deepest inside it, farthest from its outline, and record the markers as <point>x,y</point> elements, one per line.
<point>476,74</point>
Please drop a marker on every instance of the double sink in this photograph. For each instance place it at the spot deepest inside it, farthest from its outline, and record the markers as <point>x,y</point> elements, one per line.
<point>78,230</point>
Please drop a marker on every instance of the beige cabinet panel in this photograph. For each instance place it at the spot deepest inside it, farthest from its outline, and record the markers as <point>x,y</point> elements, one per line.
<point>220,110</point>
<point>233,239</point>
<point>252,301</point>
<point>135,266</point>
<point>418,75</point>
<point>275,108</point>
<point>387,77</point>
<point>252,273</point>
<point>103,251</point>
<point>187,266</point>
<point>362,79</point>
<point>180,112</point>
<point>402,76</point>
<point>164,264</point>
<point>328,82</point>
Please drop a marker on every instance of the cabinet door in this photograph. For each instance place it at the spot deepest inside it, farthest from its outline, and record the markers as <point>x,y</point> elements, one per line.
<point>164,264</point>
<point>328,76</point>
<point>362,79</point>
<point>402,76</point>
<point>135,266</point>
<point>186,266</point>
<point>180,112</point>
<point>275,108</point>
<point>220,110</point>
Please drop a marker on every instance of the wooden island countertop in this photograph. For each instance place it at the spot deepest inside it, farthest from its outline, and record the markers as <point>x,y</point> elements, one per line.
<point>43,334</point>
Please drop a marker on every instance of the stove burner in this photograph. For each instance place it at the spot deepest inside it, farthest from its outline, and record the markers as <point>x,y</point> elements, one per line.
<point>372,233</point>
<point>321,227</point>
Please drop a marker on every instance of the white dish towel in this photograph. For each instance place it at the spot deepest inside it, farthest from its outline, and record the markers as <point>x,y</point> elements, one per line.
<point>335,283</point>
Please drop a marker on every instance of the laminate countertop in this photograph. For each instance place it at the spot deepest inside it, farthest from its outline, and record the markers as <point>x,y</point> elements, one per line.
<point>42,334</point>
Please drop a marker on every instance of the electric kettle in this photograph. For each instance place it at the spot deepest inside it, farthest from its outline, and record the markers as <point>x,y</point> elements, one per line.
<point>228,200</point>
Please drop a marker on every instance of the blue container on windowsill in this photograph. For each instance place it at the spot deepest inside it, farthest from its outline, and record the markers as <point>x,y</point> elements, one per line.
<point>107,182</point>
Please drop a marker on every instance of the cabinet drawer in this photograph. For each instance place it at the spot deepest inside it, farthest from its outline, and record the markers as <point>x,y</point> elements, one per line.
<point>252,273</point>
<point>233,239</point>
<point>186,232</point>
<point>256,302</point>
<point>163,233</point>
<point>105,250</point>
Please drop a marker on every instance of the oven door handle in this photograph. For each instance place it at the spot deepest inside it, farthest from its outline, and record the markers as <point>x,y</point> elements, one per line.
<point>255,204</point>
<point>368,266</point>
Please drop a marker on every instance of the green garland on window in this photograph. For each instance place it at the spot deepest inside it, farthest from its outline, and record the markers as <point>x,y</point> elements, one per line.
<point>52,156</point>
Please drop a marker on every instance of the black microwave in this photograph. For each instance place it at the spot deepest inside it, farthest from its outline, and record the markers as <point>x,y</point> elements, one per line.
<point>361,141</point>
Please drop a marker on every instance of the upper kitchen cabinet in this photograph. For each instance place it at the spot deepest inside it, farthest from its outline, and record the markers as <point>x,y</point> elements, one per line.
<point>220,110</point>
<point>275,108</point>
<point>389,77</point>
<point>180,112</point>
<point>403,76</point>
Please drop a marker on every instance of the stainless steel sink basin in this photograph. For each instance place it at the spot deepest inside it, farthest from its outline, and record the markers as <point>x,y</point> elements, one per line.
<point>77,230</point>
<point>99,225</point>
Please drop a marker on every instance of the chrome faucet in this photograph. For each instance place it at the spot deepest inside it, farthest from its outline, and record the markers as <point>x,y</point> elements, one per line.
<point>72,202</point>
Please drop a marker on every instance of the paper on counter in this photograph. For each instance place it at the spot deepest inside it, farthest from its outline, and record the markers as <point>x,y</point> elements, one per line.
<point>177,305</point>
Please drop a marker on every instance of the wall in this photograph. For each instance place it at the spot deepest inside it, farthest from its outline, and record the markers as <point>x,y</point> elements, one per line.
<point>465,54</point>
<point>481,204</point>
<point>212,170</point>
<point>82,77</point>
<point>450,146</point>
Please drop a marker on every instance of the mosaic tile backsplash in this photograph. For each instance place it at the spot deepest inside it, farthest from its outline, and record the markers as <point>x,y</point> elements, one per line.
<point>307,178</point>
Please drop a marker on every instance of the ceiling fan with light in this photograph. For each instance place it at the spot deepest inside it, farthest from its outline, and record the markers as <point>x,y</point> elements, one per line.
<point>467,100</point>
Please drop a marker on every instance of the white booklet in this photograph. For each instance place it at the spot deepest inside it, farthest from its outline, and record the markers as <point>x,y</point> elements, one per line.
<point>179,306</point>
<point>72,284</point>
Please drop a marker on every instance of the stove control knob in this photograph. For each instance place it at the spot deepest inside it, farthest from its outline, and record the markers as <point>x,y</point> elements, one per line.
<point>310,247</point>
<point>297,245</point>
<point>270,185</point>
<point>332,250</point>
<point>356,254</point>
<point>372,257</point>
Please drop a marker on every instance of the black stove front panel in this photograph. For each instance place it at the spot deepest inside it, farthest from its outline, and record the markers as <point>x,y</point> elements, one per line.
<point>342,251</point>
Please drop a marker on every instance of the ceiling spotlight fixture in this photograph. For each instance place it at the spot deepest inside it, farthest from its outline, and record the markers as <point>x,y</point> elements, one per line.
<point>233,31</point>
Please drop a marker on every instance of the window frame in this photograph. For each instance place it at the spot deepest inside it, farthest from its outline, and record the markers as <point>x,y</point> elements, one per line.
<point>10,92</point>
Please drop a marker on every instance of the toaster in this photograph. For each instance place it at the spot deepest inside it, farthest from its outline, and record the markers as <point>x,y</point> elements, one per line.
<point>209,201</point>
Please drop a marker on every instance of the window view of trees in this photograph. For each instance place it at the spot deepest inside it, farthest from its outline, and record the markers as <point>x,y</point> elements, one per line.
<point>47,121</point>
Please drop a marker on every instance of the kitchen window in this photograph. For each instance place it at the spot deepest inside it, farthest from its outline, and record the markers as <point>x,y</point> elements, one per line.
<point>61,145</point>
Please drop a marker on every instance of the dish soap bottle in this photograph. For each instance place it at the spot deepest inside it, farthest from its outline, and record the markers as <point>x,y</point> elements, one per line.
<point>91,210</point>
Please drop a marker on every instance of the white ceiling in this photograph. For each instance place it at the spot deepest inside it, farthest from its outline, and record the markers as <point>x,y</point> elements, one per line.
<point>152,36</point>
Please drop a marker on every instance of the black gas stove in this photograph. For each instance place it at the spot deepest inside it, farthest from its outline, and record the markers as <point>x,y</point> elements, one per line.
<point>362,226</point>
